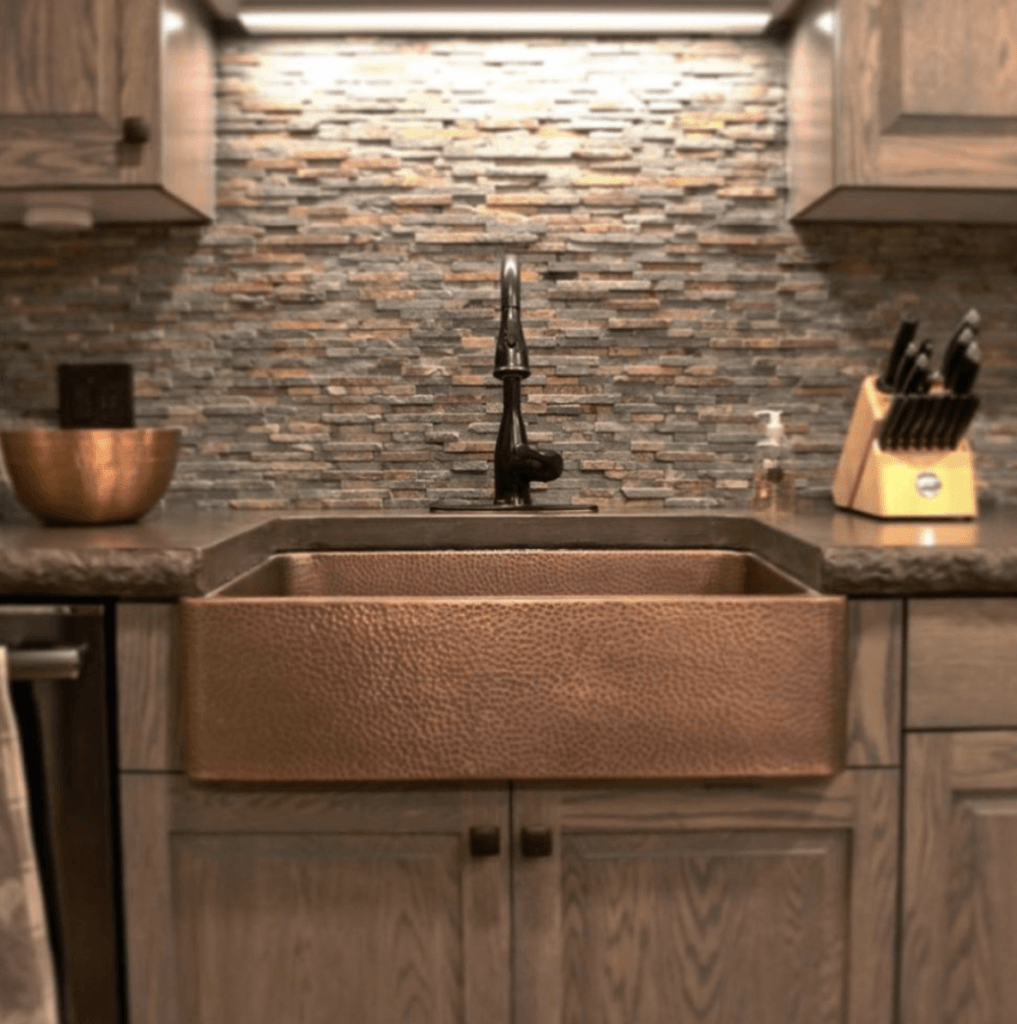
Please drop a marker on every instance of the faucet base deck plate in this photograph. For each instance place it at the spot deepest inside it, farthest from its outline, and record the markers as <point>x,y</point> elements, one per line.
<point>453,506</point>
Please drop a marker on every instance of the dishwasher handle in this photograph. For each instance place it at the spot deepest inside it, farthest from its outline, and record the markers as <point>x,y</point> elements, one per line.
<point>31,665</point>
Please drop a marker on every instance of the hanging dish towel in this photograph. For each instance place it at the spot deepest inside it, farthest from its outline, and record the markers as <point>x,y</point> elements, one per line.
<point>27,988</point>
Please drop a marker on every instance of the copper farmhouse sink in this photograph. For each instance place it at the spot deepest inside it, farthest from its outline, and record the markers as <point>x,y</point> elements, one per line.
<point>513,664</point>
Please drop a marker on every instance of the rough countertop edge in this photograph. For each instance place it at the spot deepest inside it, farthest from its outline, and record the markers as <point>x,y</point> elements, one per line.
<point>186,555</point>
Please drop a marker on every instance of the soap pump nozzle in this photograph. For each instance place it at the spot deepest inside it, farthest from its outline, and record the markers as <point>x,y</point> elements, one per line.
<point>774,427</point>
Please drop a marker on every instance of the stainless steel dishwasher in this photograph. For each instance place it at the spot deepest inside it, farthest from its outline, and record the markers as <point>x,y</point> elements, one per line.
<point>63,704</point>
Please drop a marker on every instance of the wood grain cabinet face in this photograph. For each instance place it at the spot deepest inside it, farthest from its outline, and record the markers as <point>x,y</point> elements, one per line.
<point>59,94</point>
<point>962,663</point>
<point>709,905</point>
<point>71,73</point>
<point>649,904</point>
<point>959,927</point>
<point>268,906</point>
<point>904,110</point>
<point>774,903</point>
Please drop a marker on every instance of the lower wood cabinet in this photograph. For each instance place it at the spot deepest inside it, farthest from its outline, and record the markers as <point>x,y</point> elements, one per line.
<point>959,949</point>
<point>773,904</point>
<point>312,906</point>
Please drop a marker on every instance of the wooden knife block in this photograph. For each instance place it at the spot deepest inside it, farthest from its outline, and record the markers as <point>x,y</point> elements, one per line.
<point>934,483</point>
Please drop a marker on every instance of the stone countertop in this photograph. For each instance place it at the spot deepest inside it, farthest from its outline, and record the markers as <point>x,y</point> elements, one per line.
<point>178,554</point>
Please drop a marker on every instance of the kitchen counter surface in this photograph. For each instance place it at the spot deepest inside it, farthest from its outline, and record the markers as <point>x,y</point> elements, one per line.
<point>185,554</point>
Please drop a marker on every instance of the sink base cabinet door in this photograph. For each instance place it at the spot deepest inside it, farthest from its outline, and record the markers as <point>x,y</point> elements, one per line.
<point>959,942</point>
<point>313,906</point>
<point>714,905</point>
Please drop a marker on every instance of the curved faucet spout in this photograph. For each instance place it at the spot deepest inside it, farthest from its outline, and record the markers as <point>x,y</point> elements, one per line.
<point>510,356</point>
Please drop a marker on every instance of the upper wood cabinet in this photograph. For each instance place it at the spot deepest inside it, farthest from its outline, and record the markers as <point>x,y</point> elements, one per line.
<point>107,107</point>
<point>904,110</point>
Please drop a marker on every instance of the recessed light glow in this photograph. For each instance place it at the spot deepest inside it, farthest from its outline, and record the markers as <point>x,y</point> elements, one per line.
<point>488,20</point>
<point>827,23</point>
<point>172,22</point>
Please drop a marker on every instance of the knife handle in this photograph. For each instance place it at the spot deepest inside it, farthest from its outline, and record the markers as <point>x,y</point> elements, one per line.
<point>970,324</point>
<point>905,335</point>
<point>955,355</point>
<point>968,364</point>
<point>906,365</point>
<point>917,382</point>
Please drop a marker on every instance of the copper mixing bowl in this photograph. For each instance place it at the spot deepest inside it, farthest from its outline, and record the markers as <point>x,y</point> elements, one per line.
<point>90,476</point>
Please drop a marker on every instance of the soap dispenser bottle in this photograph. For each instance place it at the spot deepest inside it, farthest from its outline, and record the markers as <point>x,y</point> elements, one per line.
<point>773,485</point>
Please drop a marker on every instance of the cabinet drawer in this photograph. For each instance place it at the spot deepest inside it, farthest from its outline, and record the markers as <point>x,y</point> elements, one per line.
<point>962,663</point>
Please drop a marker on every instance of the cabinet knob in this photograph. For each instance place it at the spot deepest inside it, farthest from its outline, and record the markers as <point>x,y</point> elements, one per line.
<point>136,131</point>
<point>485,841</point>
<point>536,842</point>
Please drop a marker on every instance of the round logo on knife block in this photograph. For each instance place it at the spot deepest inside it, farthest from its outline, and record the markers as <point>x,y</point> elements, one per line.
<point>928,484</point>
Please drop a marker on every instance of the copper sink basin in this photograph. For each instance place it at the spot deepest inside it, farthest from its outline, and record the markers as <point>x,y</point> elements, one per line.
<point>513,664</point>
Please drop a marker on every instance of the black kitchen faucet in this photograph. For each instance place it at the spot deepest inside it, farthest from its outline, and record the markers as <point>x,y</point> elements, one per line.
<point>516,462</point>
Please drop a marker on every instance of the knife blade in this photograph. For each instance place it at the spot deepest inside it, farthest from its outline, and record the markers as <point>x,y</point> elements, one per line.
<point>905,335</point>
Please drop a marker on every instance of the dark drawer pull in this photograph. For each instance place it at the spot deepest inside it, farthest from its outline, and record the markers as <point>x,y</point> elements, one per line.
<point>485,841</point>
<point>137,131</point>
<point>536,842</point>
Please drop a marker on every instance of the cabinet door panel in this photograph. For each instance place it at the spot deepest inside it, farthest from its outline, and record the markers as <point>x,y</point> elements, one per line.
<point>975,70</point>
<point>662,926</point>
<point>959,901</point>
<point>281,927</point>
<point>307,906</point>
<point>967,682</point>
<point>58,61</point>
<point>903,124</point>
<point>709,905</point>
<point>59,92</point>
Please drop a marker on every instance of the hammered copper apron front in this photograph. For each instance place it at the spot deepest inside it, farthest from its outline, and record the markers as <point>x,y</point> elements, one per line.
<point>516,664</point>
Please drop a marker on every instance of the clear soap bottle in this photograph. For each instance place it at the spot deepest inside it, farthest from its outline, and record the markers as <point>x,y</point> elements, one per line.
<point>773,484</point>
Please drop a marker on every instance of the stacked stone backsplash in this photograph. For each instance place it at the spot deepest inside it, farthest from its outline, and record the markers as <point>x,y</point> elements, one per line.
<point>328,342</point>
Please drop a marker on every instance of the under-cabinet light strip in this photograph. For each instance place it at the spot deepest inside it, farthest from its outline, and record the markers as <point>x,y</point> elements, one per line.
<point>493,20</point>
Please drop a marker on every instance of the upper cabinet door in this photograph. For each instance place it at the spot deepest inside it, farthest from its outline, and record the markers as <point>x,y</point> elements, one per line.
<point>107,106</point>
<point>59,91</point>
<point>936,104</point>
<point>974,73</point>
<point>904,110</point>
